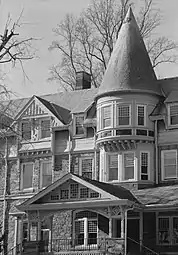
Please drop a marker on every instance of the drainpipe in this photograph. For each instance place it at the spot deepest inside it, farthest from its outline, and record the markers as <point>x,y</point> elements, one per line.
<point>95,154</point>
<point>70,148</point>
<point>5,187</point>
<point>156,149</point>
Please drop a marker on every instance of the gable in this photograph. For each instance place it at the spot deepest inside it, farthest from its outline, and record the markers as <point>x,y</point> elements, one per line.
<point>71,191</point>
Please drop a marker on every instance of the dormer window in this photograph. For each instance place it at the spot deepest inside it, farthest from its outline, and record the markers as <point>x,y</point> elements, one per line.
<point>141,113</point>
<point>79,129</point>
<point>123,115</point>
<point>173,114</point>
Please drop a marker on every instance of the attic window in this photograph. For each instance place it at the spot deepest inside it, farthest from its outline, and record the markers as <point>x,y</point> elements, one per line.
<point>45,128</point>
<point>26,131</point>
<point>173,114</point>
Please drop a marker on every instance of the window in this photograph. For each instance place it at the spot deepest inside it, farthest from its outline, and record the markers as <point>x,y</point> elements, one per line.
<point>141,115</point>
<point>74,190</point>
<point>167,230</point>
<point>169,164</point>
<point>123,115</point>
<point>64,194</point>
<point>45,128</point>
<point>113,167</point>
<point>173,114</point>
<point>144,165</point>
<point>26,130</point>
<point>128,166</point>
<point>46,170</point>
<point>79,129</point>
<point>84,193</point>
<point>86,167</point>
<point>106,116</point>
<point>27,176</point>
<point>86,229</point>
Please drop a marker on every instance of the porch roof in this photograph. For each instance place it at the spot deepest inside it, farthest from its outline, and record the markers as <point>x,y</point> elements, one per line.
<point>163,195</point>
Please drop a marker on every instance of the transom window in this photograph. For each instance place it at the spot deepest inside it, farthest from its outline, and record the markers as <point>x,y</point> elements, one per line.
<point>167,230</point>
<point>26,130</point>
<point>141,115</point>
<point>169,164</point>
<point>46,173</point>
<point>27,175</point>
<point>173,114</point>
<point>106,116</point>
<point>144,165</point>
<point>45,128</point>
<point>79,121</point>
<point>123,115</point>
<point>86,167</point>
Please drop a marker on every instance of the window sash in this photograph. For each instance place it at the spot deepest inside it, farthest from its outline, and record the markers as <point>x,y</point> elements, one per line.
<point>129,166</point>
<point>45,128</point>
<point>79,121</point>
<point>173,114</point>
<point>86,166</point>
<point>106,116</point>
<point>169,164</point>
<point>26,130</point>
<point>141,115</point>
<point>113,167</point>
<point>123,115</point>
<point>27,176</point>
<point>144,165</point>
<point>46,168</point>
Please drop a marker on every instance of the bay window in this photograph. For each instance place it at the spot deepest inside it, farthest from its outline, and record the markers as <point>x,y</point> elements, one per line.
<point>173,114</point>
<point>113,167</point>
<point>129,166</point>
<point>144,165</point>
<point>141,109</point>
<point>106,116</point>
<point>169,164</point>
<point>123,115</point>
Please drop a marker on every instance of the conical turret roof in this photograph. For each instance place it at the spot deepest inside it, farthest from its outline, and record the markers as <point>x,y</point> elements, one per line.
<point>129,67</point>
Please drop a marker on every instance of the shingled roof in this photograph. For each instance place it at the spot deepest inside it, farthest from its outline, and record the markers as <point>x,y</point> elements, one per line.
<point>129,67</point>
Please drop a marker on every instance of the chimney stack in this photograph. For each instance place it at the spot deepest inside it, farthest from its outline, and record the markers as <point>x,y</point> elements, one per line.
<point>83,80</point>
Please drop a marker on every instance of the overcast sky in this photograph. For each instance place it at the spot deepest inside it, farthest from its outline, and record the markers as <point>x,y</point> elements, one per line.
<point>41,16</point>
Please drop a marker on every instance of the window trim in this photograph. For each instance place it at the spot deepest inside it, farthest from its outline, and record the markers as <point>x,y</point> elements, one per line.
<point>74,125</point>
<point>141,105</point>
<point>169,115</point>
<point>21,176</point>
<point>148,165</point>
<point>102,116</point>
<point>80,164</point>
<point>40,129</point>
<point>41,172</point>
<point>123,167</point>
<point>22,122</point>
<point>117,115</point>
<point>162,165</point>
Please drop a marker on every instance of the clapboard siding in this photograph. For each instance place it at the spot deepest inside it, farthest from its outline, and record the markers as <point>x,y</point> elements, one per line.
<point>84,144</point>
<point>169,136</point>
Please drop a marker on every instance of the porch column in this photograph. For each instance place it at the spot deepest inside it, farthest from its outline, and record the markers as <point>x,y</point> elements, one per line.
<point>15,235</point>
<point>125,238</point>
<point>50,235</point>
<point>110,222</point>
<point>39,227</point>
<point>141,230</point>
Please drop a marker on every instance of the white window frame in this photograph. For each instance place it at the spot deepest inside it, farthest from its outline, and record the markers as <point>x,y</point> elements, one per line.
<point>74,125</point>
<point>123,167</point>
<point>162,165</point>
<point>102,115</point>
<point>40,130</point>
<point>41,171</point>
<point>144,106</point>
<point>21,175</point>
<point>148,153</point>
<point>80,164</point>
<point>117,114</point>
<point>108,167</point>
<point>171,230</point>
<point>169,114</point>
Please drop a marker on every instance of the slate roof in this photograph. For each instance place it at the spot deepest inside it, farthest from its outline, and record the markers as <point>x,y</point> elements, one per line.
<point>129,67</point>
<point>165,195</point>
<point>168,85</point>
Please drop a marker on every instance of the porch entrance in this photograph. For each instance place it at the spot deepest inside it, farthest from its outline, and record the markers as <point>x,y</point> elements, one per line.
<point>133,235</point>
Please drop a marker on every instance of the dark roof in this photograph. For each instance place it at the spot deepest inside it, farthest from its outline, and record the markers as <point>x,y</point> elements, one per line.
<point>159,108</point>
<point>172,97</point>
<point>114,190</point>
<point>168,85</point>
<point>165,195</point>
<point>129,67</point>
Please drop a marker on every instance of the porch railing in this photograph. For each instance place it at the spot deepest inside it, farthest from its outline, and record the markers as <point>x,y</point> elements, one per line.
<point>100,244</point>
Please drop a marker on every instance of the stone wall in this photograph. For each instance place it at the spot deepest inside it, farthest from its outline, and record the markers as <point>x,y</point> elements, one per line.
<point>62,225</point>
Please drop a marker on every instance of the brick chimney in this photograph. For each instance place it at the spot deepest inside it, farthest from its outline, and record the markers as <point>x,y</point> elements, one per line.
<point>83,80</point>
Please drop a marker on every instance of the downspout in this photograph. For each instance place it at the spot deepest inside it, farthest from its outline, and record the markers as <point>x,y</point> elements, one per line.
<point>70,148</point>
<point>95,155</point>
<point>5,187</point>
<point>156,150</point>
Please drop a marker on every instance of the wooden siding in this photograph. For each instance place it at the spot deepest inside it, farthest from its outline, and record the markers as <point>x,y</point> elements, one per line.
<point>168,137</point>
<point>77,145</point>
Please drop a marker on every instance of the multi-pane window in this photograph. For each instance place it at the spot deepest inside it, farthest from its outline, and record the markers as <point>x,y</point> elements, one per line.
<point>167,230</point>
<point>173,111</point>
<point>26,130</point>
<point>144,165</point>
<point>106,116</point>
<point>86,166</point>
<point>45,128</point>
<point>128,166</point>
<point>141,115</point>
<point>64,194</point>
<point>74,190</point>
<point>27,175</point>
<point>113,167</point>
<point>84,193</point>
<point>169,164</point>
<point>79,121</point>
<point>46,171</point>
<point>123,115</point>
